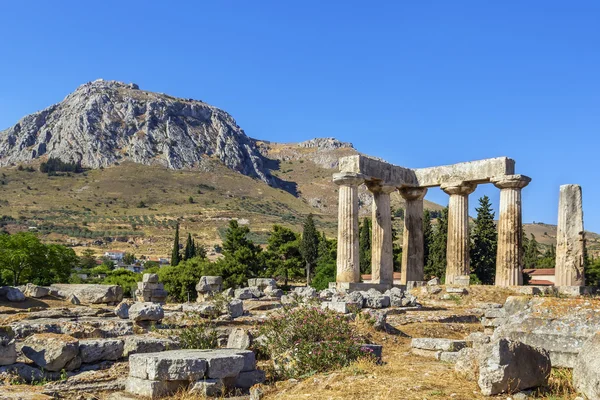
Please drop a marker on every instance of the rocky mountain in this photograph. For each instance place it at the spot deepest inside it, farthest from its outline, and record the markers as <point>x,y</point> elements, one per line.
<point>105,123</point>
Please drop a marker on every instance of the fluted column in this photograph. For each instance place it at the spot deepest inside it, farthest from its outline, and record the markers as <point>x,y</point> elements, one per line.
<point>348,266</point>
<point>412,243</point>
<point>382,254</point>
<point>570,238</point>
<point>457,251</point>
<point>509,258</point>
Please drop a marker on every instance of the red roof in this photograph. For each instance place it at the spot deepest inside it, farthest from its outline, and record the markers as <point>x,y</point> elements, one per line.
<point>539,271</point>
<point>540,282</point>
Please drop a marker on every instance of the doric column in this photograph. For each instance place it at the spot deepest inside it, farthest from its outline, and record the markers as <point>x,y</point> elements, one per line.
<point>457,251</point>
<point>509,263</point>
<point>348,266</point>
<point>382,254</point>
<point>570,238</point>
<point>412,244</point>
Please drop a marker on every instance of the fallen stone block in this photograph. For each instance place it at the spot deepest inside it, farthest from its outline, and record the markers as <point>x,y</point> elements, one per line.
<point>122,309</point>
<point>247,379</point>
<point>434,282</point>
<point>262,283</point>
<point>495,313</point>
<point>175,365</point>
<point>456,290</point>
<point>27,373</point>
<point>94,350</point>
<point>153,389</point>
<point>380,301</point>
<point>437,344</point>
<point>449,356</point>
<point>150,278</point>
<point>337,306</point>
<point>8,351</point>
<point>207,388</point>
<point>586,370</point>
<point>431,289</point>
<point>466,363</point>
<point>235,308</point>
<point>510,366</point>
<point>306,292</point>
<point>239,338</point>
<point>377,318</point>
<point>243,294</point>
<point>139,312</point>
<point>12,294</point>
<point>477,339</point>
<point>435,354</point>
<point>35,291</point>
<point>147,344</point>
<point>374,350</point>
<point>51,351</point>
<point>273,292</point>
<point>91,293</point>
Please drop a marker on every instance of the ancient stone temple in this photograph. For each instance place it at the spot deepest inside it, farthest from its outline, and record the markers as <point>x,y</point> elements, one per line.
<point>458,181</point>
<point>570,239</point>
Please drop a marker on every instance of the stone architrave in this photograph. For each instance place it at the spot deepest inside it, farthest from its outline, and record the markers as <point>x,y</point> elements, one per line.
<point>457,252</point>
<point>570,239</point>
<point>382,255</point>
<point>348,266</point>
<point>509,264</point>
<point>413,247</point>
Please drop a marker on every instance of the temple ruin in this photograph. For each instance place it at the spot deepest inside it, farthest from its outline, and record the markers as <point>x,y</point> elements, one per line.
<point>458,181</point>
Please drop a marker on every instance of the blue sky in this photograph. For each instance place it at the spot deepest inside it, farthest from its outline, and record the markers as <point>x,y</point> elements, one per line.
<point>417,83</point>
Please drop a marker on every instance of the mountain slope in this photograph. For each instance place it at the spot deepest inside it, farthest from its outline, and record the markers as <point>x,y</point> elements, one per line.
<point>104,123</point>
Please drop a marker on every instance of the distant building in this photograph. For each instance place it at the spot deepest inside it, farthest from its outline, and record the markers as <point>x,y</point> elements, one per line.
<point>115,255</point>
<point>540,276</point>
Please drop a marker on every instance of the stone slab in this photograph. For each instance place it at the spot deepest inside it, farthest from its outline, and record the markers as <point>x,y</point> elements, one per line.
<point>153,389</point>
<point>480,171</point>
<point>437,344</point>
<point>435,354</point>
<point>175,365</point>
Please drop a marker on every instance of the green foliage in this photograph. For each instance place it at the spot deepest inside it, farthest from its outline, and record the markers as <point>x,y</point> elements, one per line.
<point>54,165</point>
<point>309,247</point>
<point>592,273</point>
<point>87,259</point>
<point>309,340</point>
<point>124,278</point>
<point>436,262</point>
<point>23,258</point>
<point>427,235</point>
<point>175,256</point>
<point>198,334</point>
<point>283,257</point>
<point>129,258</point>
<point>548,259</point>
<point>531,252</point>
<point>190,248</point>
<point>180,280</point>
<point>484,242</point>
<point>151,267</point>
<point>364,246</point>
<point>326,263</point>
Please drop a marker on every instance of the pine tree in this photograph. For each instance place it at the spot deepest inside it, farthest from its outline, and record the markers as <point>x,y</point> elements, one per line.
<point>175,256</point>
<point>436,264</point>
<point>484,242</point>
<point>531,253</point>
<point>309,246</point>
<point>427,235</point>
<point>364,246</point>
<point>190,248</point>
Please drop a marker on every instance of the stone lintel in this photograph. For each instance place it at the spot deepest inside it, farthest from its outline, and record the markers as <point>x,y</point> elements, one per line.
<point>480,171</point>
<point>360,286</point>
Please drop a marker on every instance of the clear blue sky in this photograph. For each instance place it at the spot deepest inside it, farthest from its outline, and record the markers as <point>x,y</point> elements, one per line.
<point>417,83</point>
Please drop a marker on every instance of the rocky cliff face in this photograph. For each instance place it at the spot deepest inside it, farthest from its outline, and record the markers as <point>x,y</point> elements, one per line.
<point>106,122</point>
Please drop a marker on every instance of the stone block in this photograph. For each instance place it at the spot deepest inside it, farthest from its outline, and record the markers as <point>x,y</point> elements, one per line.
<point>434,282</point>
<point>153,389</point>
<point>150,278</point>
<point>462,280</point>
<point>174,365</point>
<point>94,350</point>
<point>50,351</point>
<point>586,369</point>
<point>35,291</point>
<point>438,344</point>
<point>466,363</point>
<point>208,388</point>
<point>224,364</point>
<point>449,356</point>
<point>12,294</point>
<point>375,350</point>
<point>507,366</point>
<point>380,301</point>
<point>91,293</point>
<point>435,354</point>
<point>247,379</point>
<point>148,311</point>
<point>262,283</point>
<point>495,313</point>
<point>239,338</point>
<point>243,294</point>
<point>235,308</point>
<point>337,306</point>
<point>573,291</point>
<point>8,351</point>
<point>147,344</point>
<point>456,290</point>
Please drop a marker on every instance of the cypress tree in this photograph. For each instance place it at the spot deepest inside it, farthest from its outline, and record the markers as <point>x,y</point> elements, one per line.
<point>175,256</point>
<point>531,253</point>
<point>309,247</point>
<point>436,264</point>
<point>190,249</point>
<point>427,235</point>
<point>484,242</point>
<point>364,246</point>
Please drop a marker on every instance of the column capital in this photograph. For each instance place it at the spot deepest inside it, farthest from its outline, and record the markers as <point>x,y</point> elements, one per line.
<point>378,187</point>
<point>461,187</point>
<point>348,178</point>
<point>413,193</point>
<point>511,181</point>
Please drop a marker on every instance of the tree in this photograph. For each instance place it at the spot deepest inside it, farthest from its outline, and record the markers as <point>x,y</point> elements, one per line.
<point>129,258</point>
<point>548,259</point>
<point>124,278</point>
<point>88,259</point>
<point>175,256</point>
<point>199,250</point>
<point>181,280</point>
<point>325,270</point>
<point>484,242</point>
<point>190,248</point>
<point>309,246</point>
<point>427,235</point>
<point>436,264</point>
<point>364,246</point>
<point>283,256</point>
<point>531,252</point>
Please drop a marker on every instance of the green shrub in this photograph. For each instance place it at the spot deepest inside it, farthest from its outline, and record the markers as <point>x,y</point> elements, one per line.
<point>199,334</point>
<point>307,340</point>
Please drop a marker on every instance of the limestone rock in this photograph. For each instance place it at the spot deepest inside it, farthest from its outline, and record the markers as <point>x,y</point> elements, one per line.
<point>207,388</point>
<point>92,293</point>
<point>510,366</point>
<point>235,308</point>
<point>94,350</point>
<point>12,294</point>
<point>586,371</point>
<point>35,291</point>
<point>467,363</point>
<point>263,283</point>
<point>8,351</point>
<point>434,282</point>
<point>437,344</point>
<point>147,344</point>
<point>73,299</point>
<point>122,309</point>
<point>50,351</point>
<point>379,318</point>
<point>247,379</point>
<point>243,294</point>
<point>306,292</point>
<point>151,388</point>
<point>27,373</point>
<point>239,339</point>
<point>337,306</point>
<point>146,312</point>
<point>150,278</point>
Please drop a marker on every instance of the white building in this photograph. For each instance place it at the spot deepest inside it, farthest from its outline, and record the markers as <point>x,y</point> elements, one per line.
<point>115,255</point>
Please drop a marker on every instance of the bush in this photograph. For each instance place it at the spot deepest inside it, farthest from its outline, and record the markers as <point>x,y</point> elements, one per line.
<point>200,334</point>
<point>308,340</point>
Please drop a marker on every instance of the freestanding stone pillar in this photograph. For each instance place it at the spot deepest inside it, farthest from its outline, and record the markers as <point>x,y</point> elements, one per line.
<point>382,254</point>
<point>509,264</point>
<point>570,239</point>
<point>413,252</point>
<point>457,251</point>
<point>348,266</point>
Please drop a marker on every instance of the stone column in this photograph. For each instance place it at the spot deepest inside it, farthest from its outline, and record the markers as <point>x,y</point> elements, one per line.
<point>457,251</point>
<point>348,266</point>
<point>570,239</point>
<point>382,254</point>
<point>509,258</point>
<point>412,243</point>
